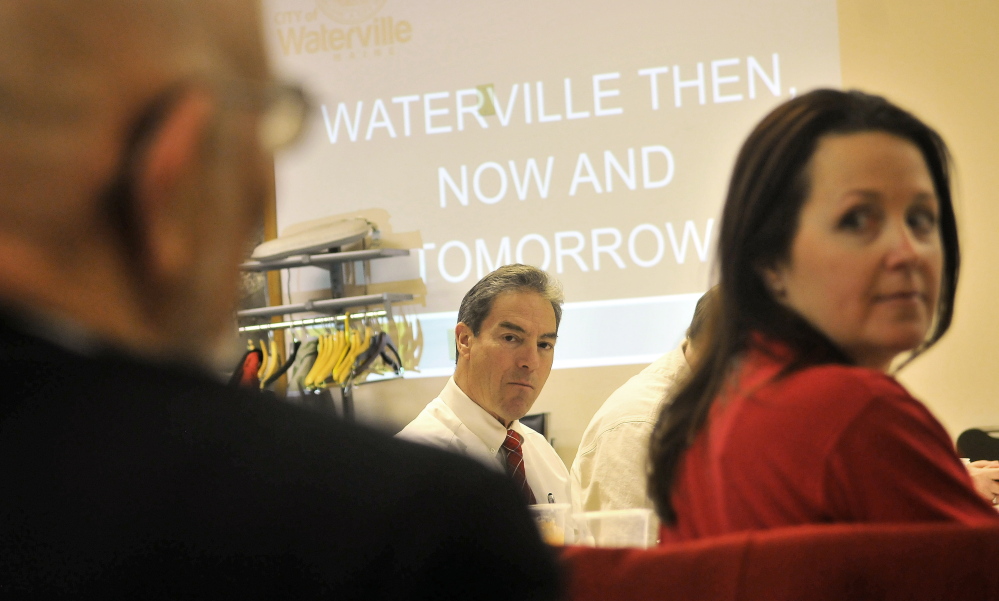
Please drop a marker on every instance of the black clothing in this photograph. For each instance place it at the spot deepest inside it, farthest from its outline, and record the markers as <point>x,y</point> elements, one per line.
<point>120,477</point>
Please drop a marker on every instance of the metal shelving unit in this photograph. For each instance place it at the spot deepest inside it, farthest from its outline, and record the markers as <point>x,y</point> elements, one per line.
<point>333,261</point>
<point>324,259</point>
<point>331,305</point>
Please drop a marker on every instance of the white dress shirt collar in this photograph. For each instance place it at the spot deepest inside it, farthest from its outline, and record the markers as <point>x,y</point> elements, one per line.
<point>479,422</point>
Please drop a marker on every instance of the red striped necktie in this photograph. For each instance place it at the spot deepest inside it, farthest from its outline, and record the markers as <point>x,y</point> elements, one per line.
<point>515,464</point>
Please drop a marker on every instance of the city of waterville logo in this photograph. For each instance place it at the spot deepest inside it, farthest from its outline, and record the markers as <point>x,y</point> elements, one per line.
<point>350,12</point>
<point>357,30</point>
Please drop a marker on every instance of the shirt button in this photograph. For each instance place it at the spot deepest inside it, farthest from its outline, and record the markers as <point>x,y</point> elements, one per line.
<point>493,450</point>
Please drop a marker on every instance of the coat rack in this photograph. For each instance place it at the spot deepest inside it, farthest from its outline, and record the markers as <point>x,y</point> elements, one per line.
<point>333,261</point>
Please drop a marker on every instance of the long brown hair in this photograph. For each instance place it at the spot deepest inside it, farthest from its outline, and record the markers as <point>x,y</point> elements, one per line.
<point>768,188</point>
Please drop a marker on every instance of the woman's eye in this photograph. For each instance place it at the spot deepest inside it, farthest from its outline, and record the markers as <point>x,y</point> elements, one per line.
<point>923,221</point>
<point>855,220</point>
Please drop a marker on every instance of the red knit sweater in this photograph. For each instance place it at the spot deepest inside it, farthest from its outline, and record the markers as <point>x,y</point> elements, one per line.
<point>825,444</point>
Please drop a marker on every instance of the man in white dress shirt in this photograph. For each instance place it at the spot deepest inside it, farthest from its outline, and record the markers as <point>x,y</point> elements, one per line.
<point>505,339</point>
<point>609,471</point>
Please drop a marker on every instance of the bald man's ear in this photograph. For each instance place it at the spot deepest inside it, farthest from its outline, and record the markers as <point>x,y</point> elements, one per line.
<point>165,178</point>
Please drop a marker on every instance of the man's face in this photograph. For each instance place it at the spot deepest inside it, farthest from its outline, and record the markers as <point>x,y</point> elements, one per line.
<point>254,116</point>
<point>508,363</point>
<point>236,183</point>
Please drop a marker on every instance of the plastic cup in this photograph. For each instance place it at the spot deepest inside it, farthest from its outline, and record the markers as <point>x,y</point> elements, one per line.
<point>617,528</point>
<point>551,519</point>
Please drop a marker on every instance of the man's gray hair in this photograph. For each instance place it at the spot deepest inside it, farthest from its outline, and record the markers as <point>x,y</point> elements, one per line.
<point>478,301</point>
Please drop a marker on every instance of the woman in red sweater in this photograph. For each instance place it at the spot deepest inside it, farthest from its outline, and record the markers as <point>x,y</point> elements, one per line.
<point>838,259</point>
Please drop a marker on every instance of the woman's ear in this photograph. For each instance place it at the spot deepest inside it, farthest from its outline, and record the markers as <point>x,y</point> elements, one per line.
<point>773,279</point>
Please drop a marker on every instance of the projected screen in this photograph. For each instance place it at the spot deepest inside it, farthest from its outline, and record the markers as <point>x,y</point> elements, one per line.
<point>592,139</point>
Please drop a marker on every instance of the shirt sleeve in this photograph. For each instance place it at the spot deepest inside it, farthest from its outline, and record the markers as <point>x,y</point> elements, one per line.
<point>613,474</point>
<point>894,462</point>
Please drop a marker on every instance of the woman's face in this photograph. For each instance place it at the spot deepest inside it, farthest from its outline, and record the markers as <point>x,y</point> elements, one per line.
<point>865,262</point>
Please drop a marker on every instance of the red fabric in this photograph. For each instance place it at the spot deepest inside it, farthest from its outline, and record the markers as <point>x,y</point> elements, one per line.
<point>825,444</point>
<point>251,365</point>
<point>515,464</point>
<point>888,562</point>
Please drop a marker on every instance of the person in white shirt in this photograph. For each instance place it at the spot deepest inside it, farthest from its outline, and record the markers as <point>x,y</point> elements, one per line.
<point>609,471</point>
<point>505,339</point>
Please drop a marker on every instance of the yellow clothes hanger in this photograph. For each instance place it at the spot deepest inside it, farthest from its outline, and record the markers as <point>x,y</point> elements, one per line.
<point>358,344</point>
<point>321,350</point>
<point>273,361</point>
<point>334,348</point>
<point>263,361</point>
<point>409,355</point>
<point>350,340</point>
<point>365,343</point>
<point>417,353</point>
<point>323,370</point>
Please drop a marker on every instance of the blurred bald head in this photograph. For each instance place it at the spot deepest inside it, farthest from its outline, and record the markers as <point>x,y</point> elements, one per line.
<point>74,73</point>
<point>78,80</point>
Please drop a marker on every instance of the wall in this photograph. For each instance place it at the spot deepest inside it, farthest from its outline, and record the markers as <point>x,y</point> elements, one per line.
<point>939,60</point>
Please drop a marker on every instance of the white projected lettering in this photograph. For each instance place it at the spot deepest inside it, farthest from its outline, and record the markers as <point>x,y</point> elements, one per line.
<point>732,79</point>
<point>531,103</point>
<point>469,108</point>
<point>574,250</point>
<point>612,171</point>
<point>594,141</point>
<point>523,178</point>
<point>656,167</point>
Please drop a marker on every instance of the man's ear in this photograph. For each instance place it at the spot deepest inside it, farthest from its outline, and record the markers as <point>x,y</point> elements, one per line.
<point>462,338</point>
<point>164,179</point>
